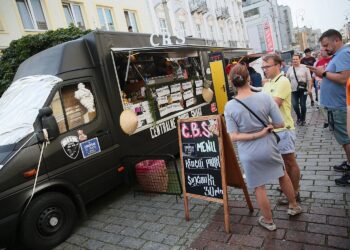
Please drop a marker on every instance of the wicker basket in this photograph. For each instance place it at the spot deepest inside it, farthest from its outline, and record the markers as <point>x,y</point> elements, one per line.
<point>152,175</point>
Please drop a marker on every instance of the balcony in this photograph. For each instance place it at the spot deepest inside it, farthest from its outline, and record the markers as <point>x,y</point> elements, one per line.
<point>222,13</point>
<point>211,42</point>
<point>232,44</point>
<point>198,6</point>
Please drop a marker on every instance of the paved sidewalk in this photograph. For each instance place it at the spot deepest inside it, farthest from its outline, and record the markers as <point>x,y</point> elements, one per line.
<point>325,223</point>
<point>122,221</point>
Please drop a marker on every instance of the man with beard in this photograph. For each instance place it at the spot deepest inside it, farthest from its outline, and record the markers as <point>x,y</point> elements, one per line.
<point>333,93</point>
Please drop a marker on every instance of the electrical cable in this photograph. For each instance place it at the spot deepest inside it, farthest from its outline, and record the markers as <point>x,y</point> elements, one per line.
<point>45,143</point>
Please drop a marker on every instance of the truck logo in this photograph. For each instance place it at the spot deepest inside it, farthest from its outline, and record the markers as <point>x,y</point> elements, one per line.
<point>166,39</point>
<point>70,145</point>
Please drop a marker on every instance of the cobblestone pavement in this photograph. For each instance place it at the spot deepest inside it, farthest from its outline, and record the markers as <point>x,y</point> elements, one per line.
<point>121,221</point>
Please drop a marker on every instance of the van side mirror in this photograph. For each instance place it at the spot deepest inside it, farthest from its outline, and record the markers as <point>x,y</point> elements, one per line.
<point>48,122</point>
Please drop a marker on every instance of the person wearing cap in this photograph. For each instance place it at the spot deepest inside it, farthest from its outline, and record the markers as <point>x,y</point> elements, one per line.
<point>309,60</point>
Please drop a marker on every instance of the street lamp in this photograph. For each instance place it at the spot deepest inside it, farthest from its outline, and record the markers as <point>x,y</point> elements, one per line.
<point>300,14</point>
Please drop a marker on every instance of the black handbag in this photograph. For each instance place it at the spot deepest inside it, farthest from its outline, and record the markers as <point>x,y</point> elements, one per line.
<point>302,86</point>
<point>257,117</point>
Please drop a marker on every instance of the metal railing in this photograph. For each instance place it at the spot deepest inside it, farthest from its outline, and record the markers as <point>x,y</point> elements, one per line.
<point>232,43</point>
<point>211,42</point>
<point>199,6</point>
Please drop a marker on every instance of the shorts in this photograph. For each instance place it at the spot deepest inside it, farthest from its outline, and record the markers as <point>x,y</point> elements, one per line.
<point>287,143</point>
<point>337,123</point>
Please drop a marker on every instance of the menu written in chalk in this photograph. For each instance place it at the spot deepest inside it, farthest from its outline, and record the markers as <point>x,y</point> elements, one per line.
<point>201,158</point>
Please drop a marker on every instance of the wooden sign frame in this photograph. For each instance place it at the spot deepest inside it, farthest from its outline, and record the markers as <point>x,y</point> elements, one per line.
<point>230,173</point>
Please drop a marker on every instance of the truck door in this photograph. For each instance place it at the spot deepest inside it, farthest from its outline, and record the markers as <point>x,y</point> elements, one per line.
<point>218,76</point>
<point>219,80</point>
<point>83,153</point>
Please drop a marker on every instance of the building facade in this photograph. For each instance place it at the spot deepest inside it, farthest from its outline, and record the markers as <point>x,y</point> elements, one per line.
<point>286,27</point>
<point>306,37</point>
<point>219,22</point>
<point>24,17</point>
<point>345,31</point>
<point>269,25</point>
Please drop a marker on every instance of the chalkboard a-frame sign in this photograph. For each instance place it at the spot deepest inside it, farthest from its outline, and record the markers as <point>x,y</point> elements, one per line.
<point>204,149</point>
<point>202,159</point>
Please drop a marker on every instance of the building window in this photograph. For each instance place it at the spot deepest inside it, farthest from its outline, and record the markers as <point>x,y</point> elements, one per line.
<point>130,17</point>
<point>182,29</point>
<point>252,12</point>
<point>199,30</point>
<point>230,33</point>
<point>1,26</point>
<point>262,39</point>
<point>211,31</point>
<point>105,17</point>
<point>32,14</point>
<point>74,15</point>
<point>163,26</point>
<point>73,106</point>
<point>222,32</point>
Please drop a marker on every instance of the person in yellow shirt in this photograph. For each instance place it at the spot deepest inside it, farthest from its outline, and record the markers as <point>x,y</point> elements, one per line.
<point>279,87</point>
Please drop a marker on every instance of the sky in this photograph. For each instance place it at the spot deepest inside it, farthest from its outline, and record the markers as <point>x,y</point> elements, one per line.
<point>322,14</point>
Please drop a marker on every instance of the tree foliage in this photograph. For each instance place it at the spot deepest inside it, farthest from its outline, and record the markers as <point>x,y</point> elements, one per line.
<point>23,48</point>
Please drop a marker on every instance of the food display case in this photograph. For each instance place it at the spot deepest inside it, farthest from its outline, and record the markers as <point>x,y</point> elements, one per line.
<point>160,82</point>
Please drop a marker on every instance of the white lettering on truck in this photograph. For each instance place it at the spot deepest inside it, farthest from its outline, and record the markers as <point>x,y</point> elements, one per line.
<point>163,128</point>
<point>166,40</point>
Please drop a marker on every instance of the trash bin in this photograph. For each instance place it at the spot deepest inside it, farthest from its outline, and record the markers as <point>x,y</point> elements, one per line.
<point>152,175</point>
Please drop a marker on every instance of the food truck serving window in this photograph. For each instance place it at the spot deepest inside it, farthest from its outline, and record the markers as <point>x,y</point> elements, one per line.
<point>159,83</point>
<point>73,106</point>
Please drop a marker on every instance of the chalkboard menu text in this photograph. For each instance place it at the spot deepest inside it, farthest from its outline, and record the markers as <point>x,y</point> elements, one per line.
<point>201,159</point>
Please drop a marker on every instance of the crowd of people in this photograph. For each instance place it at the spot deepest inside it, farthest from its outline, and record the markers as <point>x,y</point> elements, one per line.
<point>262,125</point>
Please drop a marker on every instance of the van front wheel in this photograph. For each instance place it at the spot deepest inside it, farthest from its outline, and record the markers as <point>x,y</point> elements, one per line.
<point>48,221</point>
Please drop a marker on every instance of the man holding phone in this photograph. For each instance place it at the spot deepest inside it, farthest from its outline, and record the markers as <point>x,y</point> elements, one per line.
<point>333,93</point>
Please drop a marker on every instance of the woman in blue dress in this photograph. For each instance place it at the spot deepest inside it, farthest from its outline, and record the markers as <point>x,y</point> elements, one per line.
<point>257,146</point>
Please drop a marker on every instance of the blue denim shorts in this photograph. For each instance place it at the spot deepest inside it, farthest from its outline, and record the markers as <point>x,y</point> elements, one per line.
<point>337,122</point>
<point>287,142</point>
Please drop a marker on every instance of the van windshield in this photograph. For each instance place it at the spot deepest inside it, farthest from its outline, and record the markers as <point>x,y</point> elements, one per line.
<point>20,104</point>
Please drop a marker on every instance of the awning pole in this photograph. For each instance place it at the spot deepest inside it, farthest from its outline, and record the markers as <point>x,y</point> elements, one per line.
<point>128,66</point>
<point>202,63</point>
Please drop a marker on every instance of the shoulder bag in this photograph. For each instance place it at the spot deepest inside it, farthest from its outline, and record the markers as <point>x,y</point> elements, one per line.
<point>302,86</point>
<point>257,117</point>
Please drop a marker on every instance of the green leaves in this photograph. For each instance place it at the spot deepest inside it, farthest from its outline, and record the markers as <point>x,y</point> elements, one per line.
<point>23,48</point>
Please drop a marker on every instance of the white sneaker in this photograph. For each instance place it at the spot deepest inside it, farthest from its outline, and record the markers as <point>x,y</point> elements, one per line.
<point>268,226</point>
<point>294,210</point>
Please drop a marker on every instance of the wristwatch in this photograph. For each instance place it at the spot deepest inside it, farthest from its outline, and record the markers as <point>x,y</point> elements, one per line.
<point>324,74</point>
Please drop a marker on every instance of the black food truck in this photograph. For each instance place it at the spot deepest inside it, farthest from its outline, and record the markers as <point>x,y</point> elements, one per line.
<point>72,113</point>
